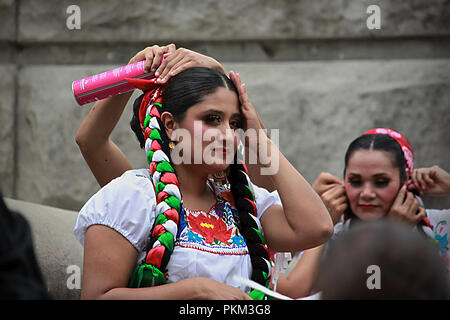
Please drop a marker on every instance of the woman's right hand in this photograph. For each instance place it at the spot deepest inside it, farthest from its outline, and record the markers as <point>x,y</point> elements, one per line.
<point>208,289</point>
<point>325,181</point>
<point>168,61</point>
<point>336,201</point>
<point>332,192</point>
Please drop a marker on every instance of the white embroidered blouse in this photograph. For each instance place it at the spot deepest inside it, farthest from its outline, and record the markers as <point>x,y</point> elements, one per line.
<point>209,244</point>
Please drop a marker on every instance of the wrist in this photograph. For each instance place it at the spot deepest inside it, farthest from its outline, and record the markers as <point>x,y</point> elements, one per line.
<point>266,151</point>
<point>214,64</point>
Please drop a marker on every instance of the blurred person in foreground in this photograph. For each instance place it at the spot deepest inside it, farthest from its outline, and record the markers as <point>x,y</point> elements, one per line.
<point>386,261</point>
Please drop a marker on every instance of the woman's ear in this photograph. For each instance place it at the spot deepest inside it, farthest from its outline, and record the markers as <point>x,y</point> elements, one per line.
<point>169,124</point>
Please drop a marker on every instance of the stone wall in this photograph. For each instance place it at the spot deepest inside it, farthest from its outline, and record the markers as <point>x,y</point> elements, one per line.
<point>312,68</point>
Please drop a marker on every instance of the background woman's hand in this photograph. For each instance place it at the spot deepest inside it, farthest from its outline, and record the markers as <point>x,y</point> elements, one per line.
<point>336,201</point>
<point>332,192</point>
<point>406,208</point>
<point>431,181</point>
<point>325,181</point>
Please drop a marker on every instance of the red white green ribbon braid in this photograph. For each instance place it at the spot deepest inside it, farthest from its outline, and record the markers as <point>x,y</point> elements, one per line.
<point>160,244</point>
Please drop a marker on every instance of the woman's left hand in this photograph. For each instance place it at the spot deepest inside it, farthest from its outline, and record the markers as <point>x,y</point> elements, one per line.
<point>181,59</point>
<point>406,208</point>
<point>153,56</point>
<point>252,120</point>
<point>431,181</point>
<point>253,125</point>
<point>167,61</point>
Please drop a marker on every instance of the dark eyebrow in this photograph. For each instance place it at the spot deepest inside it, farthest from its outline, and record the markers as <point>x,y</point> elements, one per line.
<point>354,174</point>
<point>213,111</point>
<point>220,113</point>
<point>381,175</point>
<point>377,175</point>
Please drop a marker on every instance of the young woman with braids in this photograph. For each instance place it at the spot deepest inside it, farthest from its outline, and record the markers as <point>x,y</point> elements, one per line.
<point>379,182</point>
<point>168,232</point>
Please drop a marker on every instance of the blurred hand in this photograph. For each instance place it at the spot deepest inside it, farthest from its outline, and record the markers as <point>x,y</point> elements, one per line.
<point>406,208</point>
<point>326,181</point>
<point>431,181</point>
<point>335,199</point>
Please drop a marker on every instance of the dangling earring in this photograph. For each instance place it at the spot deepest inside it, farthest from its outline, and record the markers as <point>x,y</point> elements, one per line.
<point>171,145</point>
<point>220,178</point>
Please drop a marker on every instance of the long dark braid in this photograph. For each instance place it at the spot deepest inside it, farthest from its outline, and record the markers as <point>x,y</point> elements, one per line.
<point>244,199</point>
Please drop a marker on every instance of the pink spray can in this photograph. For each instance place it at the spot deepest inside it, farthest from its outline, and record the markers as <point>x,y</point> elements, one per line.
<point>109,83</point>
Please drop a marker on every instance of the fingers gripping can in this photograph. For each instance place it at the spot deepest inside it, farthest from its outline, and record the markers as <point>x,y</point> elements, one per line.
<point>109,83</point>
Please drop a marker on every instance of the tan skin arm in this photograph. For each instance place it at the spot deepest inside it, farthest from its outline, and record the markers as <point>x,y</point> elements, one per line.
<point>302,278</point>
<point>297,225</point>
<point>103,156</point>
<point>254,170</point>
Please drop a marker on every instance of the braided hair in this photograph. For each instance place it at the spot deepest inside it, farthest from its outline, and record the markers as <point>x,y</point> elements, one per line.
<point>181,92</point>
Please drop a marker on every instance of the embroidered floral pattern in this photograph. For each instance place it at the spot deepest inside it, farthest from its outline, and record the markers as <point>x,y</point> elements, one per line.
<point>214,231</point>
<point>441,238</point>
<point>211,228</point>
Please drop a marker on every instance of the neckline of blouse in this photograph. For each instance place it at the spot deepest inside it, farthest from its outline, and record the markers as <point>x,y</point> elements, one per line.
<point>213,188</point>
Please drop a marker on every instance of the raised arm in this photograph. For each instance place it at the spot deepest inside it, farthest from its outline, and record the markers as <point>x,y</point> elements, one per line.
<point>103,156</point>
<point>303,221</point>
<point>303,277</point>
<point>300,282</point>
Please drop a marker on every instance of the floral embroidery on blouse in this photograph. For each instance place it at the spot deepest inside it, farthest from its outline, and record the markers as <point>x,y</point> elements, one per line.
<point>214,231</point>
<point>441,238</point>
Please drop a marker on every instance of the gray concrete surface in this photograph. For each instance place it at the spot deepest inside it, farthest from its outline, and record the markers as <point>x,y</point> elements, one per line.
<point>318,108</point>
<point>59,254</point>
